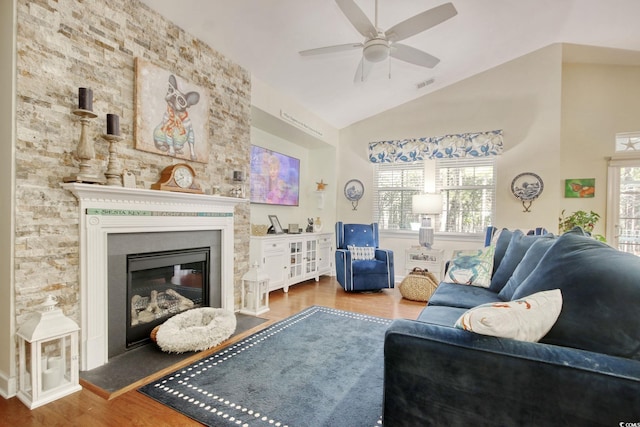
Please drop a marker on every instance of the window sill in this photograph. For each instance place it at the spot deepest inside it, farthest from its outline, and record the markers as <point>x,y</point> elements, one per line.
<point>452,237</point>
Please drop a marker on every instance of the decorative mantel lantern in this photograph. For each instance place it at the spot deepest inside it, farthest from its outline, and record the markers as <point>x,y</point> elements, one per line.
<point>255,291</point>
<point>48,343</point>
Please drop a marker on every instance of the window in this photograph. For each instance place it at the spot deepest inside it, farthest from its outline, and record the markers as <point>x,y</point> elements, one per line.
<point>394,186</point>
<point>467,186</point>
<point>469,194</point>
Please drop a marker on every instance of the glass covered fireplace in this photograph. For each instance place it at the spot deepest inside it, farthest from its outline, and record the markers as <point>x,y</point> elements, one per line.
<point>162,284</point>
<point>153,276</point>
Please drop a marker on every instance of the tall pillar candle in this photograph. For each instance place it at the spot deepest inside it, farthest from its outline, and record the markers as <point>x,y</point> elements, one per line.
<point>85,99</point>
<point>113,124</point>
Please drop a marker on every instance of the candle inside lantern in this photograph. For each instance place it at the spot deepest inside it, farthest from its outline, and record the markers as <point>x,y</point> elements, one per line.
<point>113,124</point>
<point>85,99</point>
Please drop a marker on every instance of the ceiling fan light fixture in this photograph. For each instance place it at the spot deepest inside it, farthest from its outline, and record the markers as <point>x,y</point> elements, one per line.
<point>376,50</point>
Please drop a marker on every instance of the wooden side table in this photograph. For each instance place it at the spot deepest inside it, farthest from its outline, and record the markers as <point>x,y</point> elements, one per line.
<point>427,259</point>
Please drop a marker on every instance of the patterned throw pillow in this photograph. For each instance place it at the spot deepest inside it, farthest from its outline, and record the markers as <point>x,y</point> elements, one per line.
<point>526,319</point>
<point>471,267</point>
<point>362,252</point>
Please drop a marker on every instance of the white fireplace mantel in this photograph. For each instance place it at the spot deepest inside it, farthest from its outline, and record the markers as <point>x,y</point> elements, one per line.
<point>110,209</point>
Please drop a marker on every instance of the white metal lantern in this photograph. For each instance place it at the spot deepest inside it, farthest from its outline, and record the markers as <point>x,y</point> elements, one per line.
<point>255,291</point>
<point>48,343</point>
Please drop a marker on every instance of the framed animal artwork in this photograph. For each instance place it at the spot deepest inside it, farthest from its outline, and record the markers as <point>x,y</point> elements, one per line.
<point>172,114</point>
<point>580,188</point>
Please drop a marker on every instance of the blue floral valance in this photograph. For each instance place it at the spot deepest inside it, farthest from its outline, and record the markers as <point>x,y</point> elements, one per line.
<point>479,144</point>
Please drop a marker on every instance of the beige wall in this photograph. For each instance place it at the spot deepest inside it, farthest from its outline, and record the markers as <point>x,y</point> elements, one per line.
<point>309,139</point>
<point>598,101</point>
<point>559,121</point>
<point>521,97</point>
<point>316,163</point>
<point>7,132</point>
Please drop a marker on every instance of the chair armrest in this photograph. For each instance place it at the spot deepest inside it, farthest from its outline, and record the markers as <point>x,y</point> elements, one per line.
<point>384,255</point>
<point>437,375</point>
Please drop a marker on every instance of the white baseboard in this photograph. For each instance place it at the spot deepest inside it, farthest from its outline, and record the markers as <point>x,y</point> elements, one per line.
<point>7,386</point>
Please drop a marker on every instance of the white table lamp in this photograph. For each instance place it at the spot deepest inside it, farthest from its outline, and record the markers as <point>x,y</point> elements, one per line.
<point>426,205</point>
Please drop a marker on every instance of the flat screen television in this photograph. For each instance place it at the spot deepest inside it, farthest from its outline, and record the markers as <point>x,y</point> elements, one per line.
<point>274,178</point>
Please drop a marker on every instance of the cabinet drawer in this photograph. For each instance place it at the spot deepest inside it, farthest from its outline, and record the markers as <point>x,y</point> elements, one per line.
<point>279,246</point>
<point>324,241</point>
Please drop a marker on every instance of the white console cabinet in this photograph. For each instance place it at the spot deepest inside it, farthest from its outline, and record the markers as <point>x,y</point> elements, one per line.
<point>292,258</point>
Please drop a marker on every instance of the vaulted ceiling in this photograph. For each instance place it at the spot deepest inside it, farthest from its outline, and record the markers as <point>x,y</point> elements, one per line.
<point>265,37</point>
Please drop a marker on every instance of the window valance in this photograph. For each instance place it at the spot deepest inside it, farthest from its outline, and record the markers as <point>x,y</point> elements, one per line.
<point>479,144</point>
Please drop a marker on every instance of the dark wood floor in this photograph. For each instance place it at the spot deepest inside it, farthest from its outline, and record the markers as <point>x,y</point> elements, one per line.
<point>91,407</point>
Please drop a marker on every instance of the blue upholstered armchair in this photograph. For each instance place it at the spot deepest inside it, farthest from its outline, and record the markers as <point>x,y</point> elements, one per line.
<point>360,264</point>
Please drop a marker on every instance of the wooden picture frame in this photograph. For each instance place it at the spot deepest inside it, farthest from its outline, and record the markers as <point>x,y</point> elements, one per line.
<point>275,224</point>
<point>171,114</point>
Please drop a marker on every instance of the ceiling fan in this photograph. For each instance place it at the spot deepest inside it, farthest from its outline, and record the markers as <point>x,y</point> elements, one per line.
<point>379,45</point>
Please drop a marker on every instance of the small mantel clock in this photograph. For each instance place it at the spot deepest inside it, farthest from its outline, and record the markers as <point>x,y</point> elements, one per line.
<point>179,177</point>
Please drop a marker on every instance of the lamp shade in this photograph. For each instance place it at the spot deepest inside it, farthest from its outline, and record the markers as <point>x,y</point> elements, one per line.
<point>430,204</point>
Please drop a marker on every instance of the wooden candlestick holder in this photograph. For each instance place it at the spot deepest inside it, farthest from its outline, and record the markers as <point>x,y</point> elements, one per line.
<point>113,174</point>
<point>85,152</point>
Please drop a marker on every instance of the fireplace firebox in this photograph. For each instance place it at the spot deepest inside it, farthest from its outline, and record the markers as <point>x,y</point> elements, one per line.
<point>153,276</point>
<point>161,285</point>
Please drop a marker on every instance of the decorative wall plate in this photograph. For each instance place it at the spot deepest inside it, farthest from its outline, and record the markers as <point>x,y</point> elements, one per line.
<point>526,187</point>
<point>353,191</point>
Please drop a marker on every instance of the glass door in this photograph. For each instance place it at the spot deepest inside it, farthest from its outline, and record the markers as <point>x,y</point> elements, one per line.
<point>623,217</point>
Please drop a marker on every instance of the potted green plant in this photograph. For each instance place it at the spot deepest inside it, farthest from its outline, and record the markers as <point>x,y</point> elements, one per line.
<point>586,220</point>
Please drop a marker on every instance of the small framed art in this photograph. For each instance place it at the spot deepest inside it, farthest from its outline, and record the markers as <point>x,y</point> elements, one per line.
<point>275,225</point>
<point>580,188</point>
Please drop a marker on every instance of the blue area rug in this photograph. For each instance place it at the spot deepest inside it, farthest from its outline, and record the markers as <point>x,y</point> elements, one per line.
<point>320,367</point>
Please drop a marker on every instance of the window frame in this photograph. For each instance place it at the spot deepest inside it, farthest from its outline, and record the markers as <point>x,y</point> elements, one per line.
<point>427,171</point>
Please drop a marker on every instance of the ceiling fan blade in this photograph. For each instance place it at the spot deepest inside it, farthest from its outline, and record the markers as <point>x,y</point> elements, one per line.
<point>421,22</point>
<point>357,18</point>
<point>413,55</point>
<point>331,49</point>
<point>363,70</point>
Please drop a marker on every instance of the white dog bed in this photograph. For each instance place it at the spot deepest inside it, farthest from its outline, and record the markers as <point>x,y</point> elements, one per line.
<point>195,330</point>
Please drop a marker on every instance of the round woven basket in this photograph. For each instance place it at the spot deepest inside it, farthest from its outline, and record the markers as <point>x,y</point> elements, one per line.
<point>418,287</point>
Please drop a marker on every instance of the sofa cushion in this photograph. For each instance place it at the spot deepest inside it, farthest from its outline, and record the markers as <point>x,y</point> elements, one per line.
<point>518,246</point>
<point>373,266</point>
<point>601,291</point>
<point>452,295</point>
<point>471,267</point>
<point>525,267</point>
<point>501,243</point>
<point>526,319</point>
<point>443,316</point>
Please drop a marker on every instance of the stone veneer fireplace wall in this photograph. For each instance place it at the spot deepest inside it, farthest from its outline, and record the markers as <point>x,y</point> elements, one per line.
<point>63,45</point>
<point>105,210</point>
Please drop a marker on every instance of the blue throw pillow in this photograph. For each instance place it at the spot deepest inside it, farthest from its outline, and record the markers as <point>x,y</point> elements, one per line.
<point>601,295</point>
<point>518,246</point>
<point>525,267</point>
<point>502,242</point>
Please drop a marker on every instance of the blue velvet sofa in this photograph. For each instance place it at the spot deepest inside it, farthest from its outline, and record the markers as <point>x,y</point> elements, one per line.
<point>585,371</point>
